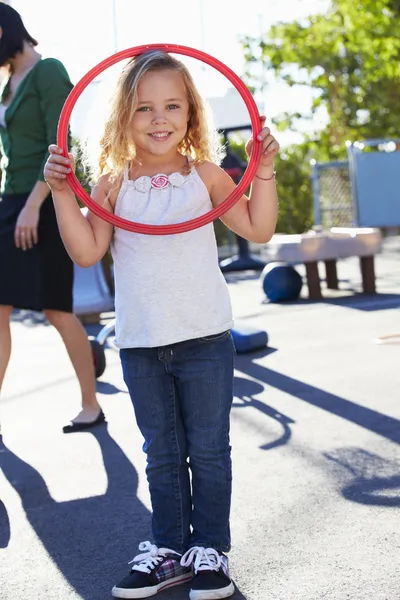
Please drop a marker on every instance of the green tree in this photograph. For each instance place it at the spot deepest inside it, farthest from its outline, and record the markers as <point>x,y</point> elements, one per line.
<point>349,57</point>
<point>293,185</point>
<point>294,189</point>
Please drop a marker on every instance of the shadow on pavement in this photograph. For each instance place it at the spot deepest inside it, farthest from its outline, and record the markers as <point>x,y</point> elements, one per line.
<point>367,418</point>
<point>244,390</point>
<point>348,298</point>
<point>238,276</point>
<point>5,530</point>
<point>366,478</point>
<point>90,540</point>
<point>103,387</point>
<point>367,302</point>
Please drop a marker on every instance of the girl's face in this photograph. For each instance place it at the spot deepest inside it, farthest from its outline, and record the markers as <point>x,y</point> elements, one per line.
<point>161,118</point>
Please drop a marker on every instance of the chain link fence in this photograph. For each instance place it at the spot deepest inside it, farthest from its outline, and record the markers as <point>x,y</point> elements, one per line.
<point>332,197</point>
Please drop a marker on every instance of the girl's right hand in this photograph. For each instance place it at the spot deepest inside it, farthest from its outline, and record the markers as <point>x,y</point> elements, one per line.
<point>57,168</point>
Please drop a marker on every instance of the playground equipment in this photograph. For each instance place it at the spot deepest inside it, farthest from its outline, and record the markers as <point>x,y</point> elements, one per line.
<point>91,294</point>
<point>362,191</point>
<point>374,167</point>
<point>281,282</point>
<point>374,177</point>
<point>327,246</point>
<point>248,338</point>
<point>235,167</point>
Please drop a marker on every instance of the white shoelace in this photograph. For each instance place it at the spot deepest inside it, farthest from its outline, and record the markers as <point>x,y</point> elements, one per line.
<point>151,556</point>
<point>204,559</point>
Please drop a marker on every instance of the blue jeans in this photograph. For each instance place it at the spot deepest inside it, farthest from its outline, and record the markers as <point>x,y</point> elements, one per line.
<point>182,395</point>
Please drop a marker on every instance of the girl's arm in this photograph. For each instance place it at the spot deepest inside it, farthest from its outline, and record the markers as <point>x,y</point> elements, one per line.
<point>253,218</point>
<point>86,239</point>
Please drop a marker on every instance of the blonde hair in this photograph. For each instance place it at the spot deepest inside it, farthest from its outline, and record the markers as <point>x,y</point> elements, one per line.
<point>116,144</point>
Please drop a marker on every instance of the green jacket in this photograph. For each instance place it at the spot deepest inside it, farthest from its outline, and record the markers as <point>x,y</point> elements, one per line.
<point>31,125</point>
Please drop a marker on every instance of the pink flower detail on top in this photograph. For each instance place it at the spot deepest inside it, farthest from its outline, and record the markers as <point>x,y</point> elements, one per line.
<point>159,181</point>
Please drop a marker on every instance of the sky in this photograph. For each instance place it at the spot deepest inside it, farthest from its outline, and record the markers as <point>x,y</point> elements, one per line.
<point>81,33</point>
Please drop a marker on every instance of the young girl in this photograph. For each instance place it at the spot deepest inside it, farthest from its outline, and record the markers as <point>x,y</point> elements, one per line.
<point>173,311</point>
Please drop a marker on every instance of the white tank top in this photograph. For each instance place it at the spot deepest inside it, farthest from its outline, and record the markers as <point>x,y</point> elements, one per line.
<point>168,288</point>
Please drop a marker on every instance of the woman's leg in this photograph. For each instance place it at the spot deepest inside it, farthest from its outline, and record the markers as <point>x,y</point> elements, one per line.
<point>78,347</point>
<point>5,340</point>
<point>158,415</point>
<point>204,371</point>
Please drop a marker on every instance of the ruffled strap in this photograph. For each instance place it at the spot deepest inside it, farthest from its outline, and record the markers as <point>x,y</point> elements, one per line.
<point>126,172</point>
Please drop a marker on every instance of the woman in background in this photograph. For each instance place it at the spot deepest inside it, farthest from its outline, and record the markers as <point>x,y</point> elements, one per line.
<point>36,272</point>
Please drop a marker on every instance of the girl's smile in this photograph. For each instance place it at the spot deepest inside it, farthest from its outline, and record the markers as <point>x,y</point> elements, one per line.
<point>160,136</point>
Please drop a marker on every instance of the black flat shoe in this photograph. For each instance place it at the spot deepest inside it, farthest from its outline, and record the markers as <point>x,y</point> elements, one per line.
<point>71,427</point>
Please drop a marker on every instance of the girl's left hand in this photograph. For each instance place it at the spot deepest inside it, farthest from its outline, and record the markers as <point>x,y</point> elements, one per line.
<point>269,148</point>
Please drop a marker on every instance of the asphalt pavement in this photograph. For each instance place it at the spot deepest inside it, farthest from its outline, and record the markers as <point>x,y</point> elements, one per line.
<point>315,438</point>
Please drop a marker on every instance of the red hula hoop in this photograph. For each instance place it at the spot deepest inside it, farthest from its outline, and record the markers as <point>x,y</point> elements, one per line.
<point>212,215</point>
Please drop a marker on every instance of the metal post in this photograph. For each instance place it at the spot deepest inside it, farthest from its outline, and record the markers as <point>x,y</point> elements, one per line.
<point>316,193</point>
<point>351,153</point>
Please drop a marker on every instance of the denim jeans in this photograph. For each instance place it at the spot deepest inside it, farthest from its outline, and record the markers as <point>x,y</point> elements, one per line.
<point>182,396</point>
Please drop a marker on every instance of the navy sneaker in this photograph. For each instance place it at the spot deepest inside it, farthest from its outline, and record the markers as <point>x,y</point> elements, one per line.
<point>211,580</point>
<point>154,570</point>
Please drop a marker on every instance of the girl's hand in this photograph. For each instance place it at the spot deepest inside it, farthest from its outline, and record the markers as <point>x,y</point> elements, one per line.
<point>26,228</point>
<point>270,146</point>
<point>57,168</point>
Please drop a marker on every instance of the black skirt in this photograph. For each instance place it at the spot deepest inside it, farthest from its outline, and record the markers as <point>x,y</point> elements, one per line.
<point>41,277</point>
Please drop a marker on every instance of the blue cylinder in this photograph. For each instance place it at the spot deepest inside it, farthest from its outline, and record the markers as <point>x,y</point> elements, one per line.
<point>281,282</point>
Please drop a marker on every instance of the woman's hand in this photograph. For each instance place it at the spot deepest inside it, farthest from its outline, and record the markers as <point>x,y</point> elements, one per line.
<point>57,168</point>
<point>269,148</point>
<point>26,229</point>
